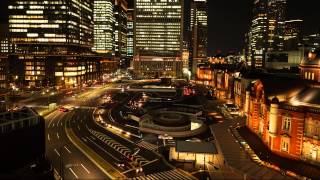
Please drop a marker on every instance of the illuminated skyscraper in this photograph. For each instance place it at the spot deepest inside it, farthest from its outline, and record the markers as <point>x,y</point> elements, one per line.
<point>158,37</point>
<point>276,24</point>
<point>103,27</point>
<point>53,41</point>
<point>258,39</point>
<point>199,29</point>
<point>120,30</point>
<point>293,34</point>
<point>130,35</point>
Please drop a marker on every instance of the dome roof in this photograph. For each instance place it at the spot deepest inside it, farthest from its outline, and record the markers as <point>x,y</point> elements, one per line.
<point>312,58</point>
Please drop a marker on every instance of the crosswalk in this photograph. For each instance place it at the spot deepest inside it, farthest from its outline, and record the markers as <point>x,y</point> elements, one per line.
<point>147,145</point>
<point>118,147</point>
<point>165,175</point>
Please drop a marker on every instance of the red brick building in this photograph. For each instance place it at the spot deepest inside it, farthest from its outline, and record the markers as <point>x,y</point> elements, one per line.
<point>285,112</point>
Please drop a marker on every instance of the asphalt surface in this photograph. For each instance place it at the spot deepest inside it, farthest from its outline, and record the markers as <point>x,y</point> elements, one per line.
<point>66,158</point>
<point>113,147</point>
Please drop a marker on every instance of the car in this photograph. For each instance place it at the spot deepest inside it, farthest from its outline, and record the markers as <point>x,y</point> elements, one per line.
<point>63,109</point>
<point>232,109</point>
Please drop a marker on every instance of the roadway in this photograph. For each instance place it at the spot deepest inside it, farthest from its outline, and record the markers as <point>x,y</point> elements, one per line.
<point>113,148</point>
<point>64,154</point>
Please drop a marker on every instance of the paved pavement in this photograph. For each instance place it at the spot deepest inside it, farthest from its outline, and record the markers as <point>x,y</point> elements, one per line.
<point>300,167</point>
<point>236,157</point>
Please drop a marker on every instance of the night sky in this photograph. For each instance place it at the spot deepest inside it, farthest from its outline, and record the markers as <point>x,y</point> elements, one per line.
<point>229,21</point>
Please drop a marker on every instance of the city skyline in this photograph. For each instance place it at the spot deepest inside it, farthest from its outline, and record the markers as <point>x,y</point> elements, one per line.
<point>131,89</point>
<point>224,37</point>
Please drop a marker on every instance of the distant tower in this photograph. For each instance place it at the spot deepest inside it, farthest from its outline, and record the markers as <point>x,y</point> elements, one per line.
<point>293,34</point>
<point>199,32</point>
<point>276,24</point>
<point>103,27</point>
<point>130,35</point>
<point>120,30</point>
<point>158,38</point>
<point>258,40</point>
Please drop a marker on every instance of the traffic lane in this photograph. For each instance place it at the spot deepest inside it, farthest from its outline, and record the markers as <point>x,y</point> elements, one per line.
<point>106,152</point>
<point>149,155</point>
<point>61,149</point>
<point>125,127</point>
<point>125,124</point>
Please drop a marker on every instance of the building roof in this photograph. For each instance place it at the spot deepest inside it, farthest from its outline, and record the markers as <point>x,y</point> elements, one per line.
<point>309,96</point>
<point>196,147</point>
<point>313,59</point>
<point>276,85</point>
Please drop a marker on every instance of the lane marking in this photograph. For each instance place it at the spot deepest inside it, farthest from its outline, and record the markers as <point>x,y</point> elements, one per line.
<point>58,135</point>
<point>59,121</point>
<point>67,149</point>
<point>48,137</point>
<point>75,175</point>
<point>52,119</point>
<point>103,150</point>
<point>55,150</point>
<point>85,169</point>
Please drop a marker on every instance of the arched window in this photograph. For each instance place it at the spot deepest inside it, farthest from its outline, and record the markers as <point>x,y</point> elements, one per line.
<point>305,75</point>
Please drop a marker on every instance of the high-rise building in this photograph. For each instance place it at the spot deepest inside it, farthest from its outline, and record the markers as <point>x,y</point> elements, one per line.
<point>311,42</point>
<point>130,36</point>
<point>158,38</point>
<point>258,39</point>
<point>276,24</point>
<point>4,83</point>
<point>4,51</point>
<point>293,34</point>
<point>247,48</point>
<point>103,27</point>
<point>199,31</point>
<point>52,42</point>
<point>120,30</point>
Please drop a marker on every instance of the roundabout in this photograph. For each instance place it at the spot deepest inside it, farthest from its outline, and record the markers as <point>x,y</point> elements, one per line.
<point>175,121</point>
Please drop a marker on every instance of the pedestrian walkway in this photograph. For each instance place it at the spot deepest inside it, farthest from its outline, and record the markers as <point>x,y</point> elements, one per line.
<point>236,157</point>
<point>300,167</point>
<point>165,175</point>
<point>147,145</point>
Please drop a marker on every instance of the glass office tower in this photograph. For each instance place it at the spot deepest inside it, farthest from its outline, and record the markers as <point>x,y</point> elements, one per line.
<point>276,24</point>
<point>120,30</point>
<point>158,37</point>
<point>199,28</point>
<point>103,27</point>
<point>52,42</point>
<point>258,35</point>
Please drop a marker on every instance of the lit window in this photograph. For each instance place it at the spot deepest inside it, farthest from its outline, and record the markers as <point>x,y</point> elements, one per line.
<point>286,123</point>
<point>285,144</point>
